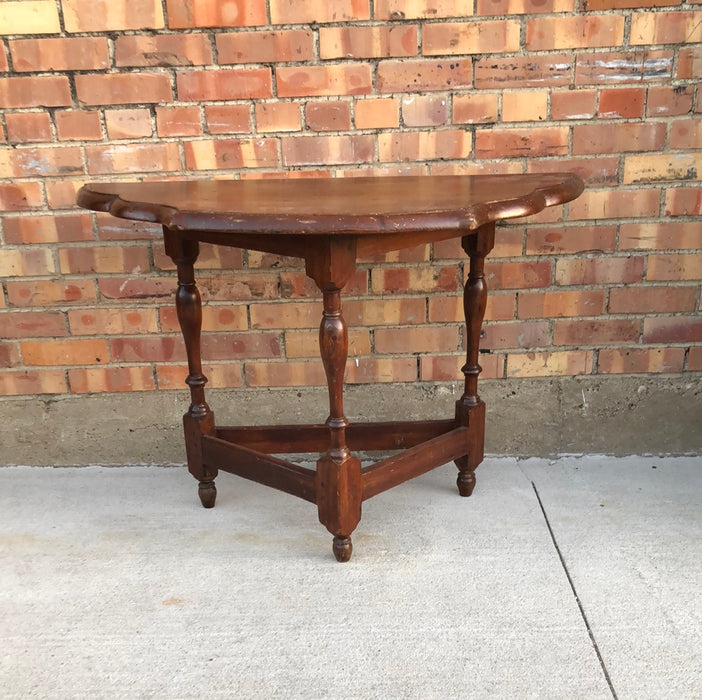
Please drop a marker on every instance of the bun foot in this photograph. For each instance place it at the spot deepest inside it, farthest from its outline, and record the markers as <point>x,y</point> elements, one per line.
<point>466,483</point>
<point>342,548</point>
<point>208,493</point>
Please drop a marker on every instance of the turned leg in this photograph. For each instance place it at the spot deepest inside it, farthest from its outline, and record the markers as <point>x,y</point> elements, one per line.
<point>338,481</point>
<point>470,410</point>
<point>199,420</point>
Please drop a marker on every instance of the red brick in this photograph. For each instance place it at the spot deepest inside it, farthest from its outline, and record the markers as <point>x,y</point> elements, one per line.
<point>686,134</point>
<point>662,167</point>
<point>28,127</point>
<point>110,228</point>
<point>35,91</point>
<point>21,196</point>
<point>683,201</point>
<point>34,324</point>
<point>215,318</point>
<point>640,360</point>
<point>651,299</point>
<point>382,369</point>
<point>589,139</point>
<point>112,321</point>
<point>661,235</point>
<point>600,332</point>
<point>573,104</point>
<point>500,307</point>
<point>620,4</point>
<point>219,376</point>
<point>299,344</point>
<point>684,266</point>
<point>515,143</point>
<point>4,67</point>
<point>163,50</point>
<point>416,340</point>
<point>299,315</point>
<point>478,108</point>
<point>589,31</point>
<point>105,259</point>
<point>61,194</point>
<point>231,84</point>
<point>133,158</point>
<point>138,288</point>
<point>694,359</point>
<point>414,280</point>
<point>600,270</point>
<point>37,17</point>
<point>337,79</point>
<point>673,329</point>
<point>231,153</point>
<point>178,121</point>
<point>367,42</point>
<point>377,113</point>
<point>281,116</point>
<point>525,106</point>
<point>480,36</point>
<point>689,63</point>
<point>549,70</point>
<point>549,364</point>
<point>424,110</point>
<point>184,14</point>
<point>28,162</point>
<point>9,354</point>
<point>228,287</point>
<point>32,382</point>
<point>26,262</point>
<point>602,171</point>
<point>422,9</point>
<point>621,102</point>
<point>569,239</point>
<point>312,11</point>
<point>623,67</point>
<point>328,116</point>
<point>513,334</point>
<point>424,74</point>
<point>666,100</point>
<point>110,379</point>
<point>64,352</point>
<point>238,346</point>
<point>666,28</point>
<point>123,88</point>
<point>296,285</point>
<point>607,204</point>
<point>111,15</point>
<point>38,293</point>
<point>265,47</point>
<point>424,145</point>
<point>48,229</point>
<point>516,7</point>
<point>447,368</point>
<point>272,374</point>
<point>561,304</point>
<point>78,125</point>
<point>65,54</point>
<point>128,123</point>
<point>311,150</point>
<point>228,119</point>
<point>384,312</point>
<point>147,349</point>
<point>518,275</point>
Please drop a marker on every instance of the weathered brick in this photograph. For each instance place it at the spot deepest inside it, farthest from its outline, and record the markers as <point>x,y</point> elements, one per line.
<point>380,113</point>
<point>133,158</point>
<point>550,364</point>
<point>110,379</point>
<point>568,239</point>
<point>382,369</point>
<point>412,280</point>
<point>337,79</point>
<point>41,161</point>
<point>111,15</point>
<point>425,110</point>
<point>660,167</point>
<point>599,270</point>
<point>515,143</point>
<point>525,106</point>
<point>48,353</point>
<point>139,288</point>
<point>589,139</point>
<point>528,7</point>
<point>65,54</point>
<point>104,259</point>
<point>384,312</point>
<point>518,275</point>
<point>621,102</point>
<point>447,368</point>
<point>311,150</point>
<point>416,339</point>
<point>596,332</point>
<point>298,315</point>
<point>500,307</point>
<point>34,324</point>
<point>666,28</point>
<point>606,204</point>
<point>19,197</point>
<point>549,70</point>
<point>110,228</point>
<point>661,235</point>
<point>288,373</point>
<point>623,67</point>
<point>4,66</point>
<point>122,88</point>
<point>78,125</point>
<point>232,84</point>
<point>640,360</point>
<point>460,38</point>
<point>514,334</point>
<point>589,31</point>
<point>671,266</point>
<point>424,145</point>
<point>694,359</point>
<point>9,354</point>
<point>32,381</point>
<point>594,5</point>
<point>112,321</point>
<point>328,116</point>
<point>147,349</point>
<point>673,329</point>
<point>35,91</point>
<point>652,299</point>
<point>689,63</point>
<point>561,304</point>
<point>231,153</point>
<point>686,134</point>
<point>239,346</point>
<point>48,229</point>
<point>476,108</point>
<point>28,127</point>
<point>666,100</point>
<point>29,17</point>
<point>220,376</point>
<point>422,9</point>
<point>265,47</point>
<point>602,171</point>
<point>367,42</point>
<point>573,104</point>
<point>185,14</point>
<point>305,344</point>
<point>307,11</point>
<point>37,293</point>
<point>228,119</point>
<point>280,116</point>
<point>415,75</point>
<point>683,201</point>
<point>128,123</point>
<point>178,121</point>
<point>163,50</point>
<point>26,261</point>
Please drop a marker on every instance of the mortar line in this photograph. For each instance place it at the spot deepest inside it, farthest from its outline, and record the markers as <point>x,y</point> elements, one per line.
<point>575,594</point>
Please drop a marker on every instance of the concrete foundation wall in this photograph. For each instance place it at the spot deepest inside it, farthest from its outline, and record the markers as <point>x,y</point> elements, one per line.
<point>539,417</point>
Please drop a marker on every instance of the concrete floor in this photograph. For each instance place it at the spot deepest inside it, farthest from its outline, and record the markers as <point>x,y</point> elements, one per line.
<point>570,578</point>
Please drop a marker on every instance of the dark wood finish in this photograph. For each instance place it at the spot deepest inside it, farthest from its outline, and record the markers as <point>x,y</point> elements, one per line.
<point>329,224</point>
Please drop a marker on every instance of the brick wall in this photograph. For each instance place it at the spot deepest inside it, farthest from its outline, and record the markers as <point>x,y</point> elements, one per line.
<point>97,89</point>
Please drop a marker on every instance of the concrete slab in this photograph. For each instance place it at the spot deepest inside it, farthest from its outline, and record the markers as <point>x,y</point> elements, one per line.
<point>115,583</point>
<point>630,532</point>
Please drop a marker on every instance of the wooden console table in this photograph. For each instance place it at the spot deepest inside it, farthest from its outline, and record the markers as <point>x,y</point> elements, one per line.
<point>330,223</point>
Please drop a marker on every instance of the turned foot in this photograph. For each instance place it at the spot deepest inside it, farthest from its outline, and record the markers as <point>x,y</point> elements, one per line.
<point>465,483</point>
<point>342,548</point>
<point>208,493</point>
